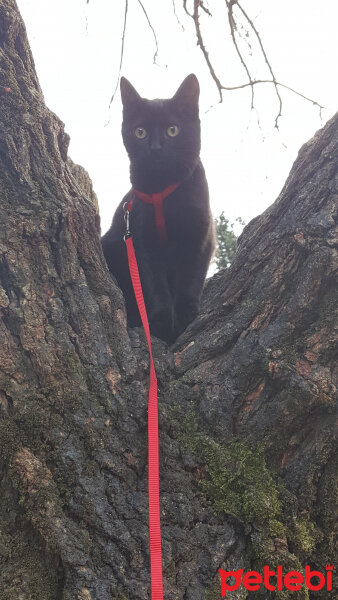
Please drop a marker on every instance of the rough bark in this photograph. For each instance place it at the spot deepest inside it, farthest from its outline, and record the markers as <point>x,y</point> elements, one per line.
<point>247,394</point>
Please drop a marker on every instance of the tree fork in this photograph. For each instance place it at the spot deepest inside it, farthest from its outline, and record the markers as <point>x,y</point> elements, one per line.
<point>246,394</point>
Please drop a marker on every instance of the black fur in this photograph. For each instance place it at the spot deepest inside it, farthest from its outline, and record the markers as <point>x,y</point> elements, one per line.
<point>172,275</point>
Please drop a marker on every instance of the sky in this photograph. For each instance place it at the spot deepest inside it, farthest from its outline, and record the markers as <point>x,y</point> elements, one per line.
<point>76,47</point>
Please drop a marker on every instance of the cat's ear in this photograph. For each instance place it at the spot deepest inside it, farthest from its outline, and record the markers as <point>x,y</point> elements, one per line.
<point>130,97</point>
<point>188,92</point>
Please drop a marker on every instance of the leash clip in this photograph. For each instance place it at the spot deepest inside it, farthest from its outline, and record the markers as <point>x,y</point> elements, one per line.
<point>126,220</point>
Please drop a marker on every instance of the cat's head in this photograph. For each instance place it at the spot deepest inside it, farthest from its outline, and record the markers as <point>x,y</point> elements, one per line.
<point>162,137</point>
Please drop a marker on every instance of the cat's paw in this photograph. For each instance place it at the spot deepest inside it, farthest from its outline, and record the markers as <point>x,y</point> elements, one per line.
<point>161,323</point>
<point>187,308</point>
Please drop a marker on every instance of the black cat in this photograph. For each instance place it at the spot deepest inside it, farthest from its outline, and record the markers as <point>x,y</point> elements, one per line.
<point>174,241</point>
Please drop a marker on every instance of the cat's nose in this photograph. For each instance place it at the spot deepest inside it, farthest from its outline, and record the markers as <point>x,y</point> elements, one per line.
<point>155,145</point>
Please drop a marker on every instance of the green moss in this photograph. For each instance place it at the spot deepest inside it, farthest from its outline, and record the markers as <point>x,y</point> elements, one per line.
<point>189,434</point>
<point>264,552</point>
<point>238,482</point>
<point>213,592</point>
<point>9,440</point>
<point>302,594</point>
<point>26,572</point>
<point>35,421</point>
<point>119,596</point>
<point>304,535</point>
<point>237,479</point>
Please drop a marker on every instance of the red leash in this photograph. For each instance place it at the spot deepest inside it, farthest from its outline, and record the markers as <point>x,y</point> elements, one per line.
<point>153,454</point>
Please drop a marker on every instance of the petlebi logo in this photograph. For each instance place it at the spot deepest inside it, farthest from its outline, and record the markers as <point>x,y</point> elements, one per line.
<point>291,580</point>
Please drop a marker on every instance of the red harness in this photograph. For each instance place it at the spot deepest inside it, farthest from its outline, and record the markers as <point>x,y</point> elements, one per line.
<point>157,201</point>
<point>153,454</point>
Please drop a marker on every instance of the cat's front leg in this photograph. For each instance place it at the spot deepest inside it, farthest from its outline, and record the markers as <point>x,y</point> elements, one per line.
<point>190,278</point>
<point>186,308</point>
<point>161,321</point>
<point>158,298</point>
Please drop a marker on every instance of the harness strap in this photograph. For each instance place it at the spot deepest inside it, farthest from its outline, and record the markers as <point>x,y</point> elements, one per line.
<point>153,451</point>
<point>157,201</point>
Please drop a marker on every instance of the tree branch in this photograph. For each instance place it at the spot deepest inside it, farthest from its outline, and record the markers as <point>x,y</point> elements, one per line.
<point>152,29</point>
<point>266,60</point>
<point>233,24</point>
<point>233,27</point>
<point>122,52</point>
<point>195,17</point>
<point>176,15</point>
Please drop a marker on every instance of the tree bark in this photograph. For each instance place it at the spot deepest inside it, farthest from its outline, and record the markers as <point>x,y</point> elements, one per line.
<point>247,394</point>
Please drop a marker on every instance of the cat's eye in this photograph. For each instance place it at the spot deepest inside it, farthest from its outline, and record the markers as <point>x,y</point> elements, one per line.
<point>173,130</point>
<point>140,133</point>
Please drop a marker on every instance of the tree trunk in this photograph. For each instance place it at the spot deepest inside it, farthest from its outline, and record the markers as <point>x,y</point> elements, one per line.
<point>246,394</point>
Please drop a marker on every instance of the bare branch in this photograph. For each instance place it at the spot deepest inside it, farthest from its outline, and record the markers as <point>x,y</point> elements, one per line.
<point>186,10</point>
<point>152,29</point>
<point>176,15</point>
<point>122,51</point>
<point>123,41</point>
<point>234,30</point>
<point>195,17</point>
<point>233,27</point>
<point>277,83</point>
<point>233,24</point>
<point>266,60</point>
<point>206,10</point>
<point>314,102</point>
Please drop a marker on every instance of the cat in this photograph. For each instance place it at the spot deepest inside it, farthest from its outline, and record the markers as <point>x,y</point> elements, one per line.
<point>162,139</point>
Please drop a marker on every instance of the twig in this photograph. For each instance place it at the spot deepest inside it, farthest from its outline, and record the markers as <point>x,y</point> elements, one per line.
<point>195,17</point>
<point>252,82</point>
<point>186,10</point>
<point>206,10</point>
<point>314,102</point>
<point>152,29</point>
<point>176,15</point>
<point>232,30</point>
<point>266,60</point>
<point>278,83</point>
<point>122,51</point>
